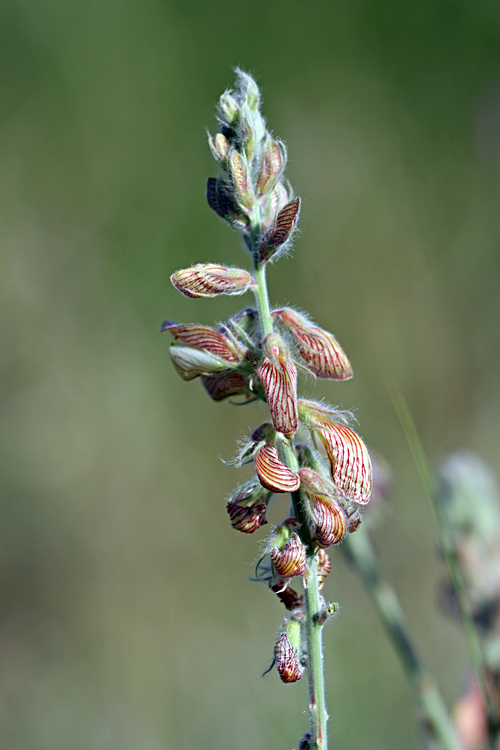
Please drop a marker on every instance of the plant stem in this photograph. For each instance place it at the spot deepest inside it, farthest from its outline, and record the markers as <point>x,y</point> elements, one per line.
<point>450,555</point>
<point>317,708</point>
<point>360,550</point>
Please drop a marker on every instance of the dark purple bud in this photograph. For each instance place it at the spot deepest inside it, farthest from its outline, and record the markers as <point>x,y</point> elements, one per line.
<point>247,518</point>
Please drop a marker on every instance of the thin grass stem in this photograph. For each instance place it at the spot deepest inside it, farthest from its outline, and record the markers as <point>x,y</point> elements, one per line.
<point>450,555</point>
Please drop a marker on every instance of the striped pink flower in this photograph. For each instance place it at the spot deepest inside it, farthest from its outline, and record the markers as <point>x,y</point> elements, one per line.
<point>211,280</point>
<point>279,378</point>
<point>319,350</point>
<point>206,351</point>
<point>291,560</point>
<point>247,518</point>
<point>287,663</point>
<point>274,475</point>
<point>330,519</point>
<point>350,464</point>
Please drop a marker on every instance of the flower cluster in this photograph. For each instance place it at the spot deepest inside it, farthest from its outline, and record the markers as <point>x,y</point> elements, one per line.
<point>307,448</point>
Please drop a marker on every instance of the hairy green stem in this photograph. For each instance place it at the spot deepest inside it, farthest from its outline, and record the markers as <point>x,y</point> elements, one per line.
<point>312,597</point>
<point>450,555</point>
<point>360,550</point>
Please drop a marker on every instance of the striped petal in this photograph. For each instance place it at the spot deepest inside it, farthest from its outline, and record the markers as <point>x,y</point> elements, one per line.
<point>279,378</point>
<point>330,519</point>
<point>320,351</point>
<point>206,338</point>
<point>274,475</point>
<point>247,518</point>
<point>210,280</point>
<point>291,560</point>
<point>350,465</point>
<point>286,660</point>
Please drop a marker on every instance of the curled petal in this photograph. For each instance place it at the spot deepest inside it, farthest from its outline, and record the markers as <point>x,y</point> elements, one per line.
<point>279,378</point>
<point>324,566</point>
<point>320,351</point>
<point>274,475</point>
<point>287,663</point>
<point>331,521</point>
<point>247,518</point>
<point>291,560</point>
<point>220,387</point>
<point>210,280</point>
<point>350,465</point>
<point>191,363</point>
<point>206,338</point>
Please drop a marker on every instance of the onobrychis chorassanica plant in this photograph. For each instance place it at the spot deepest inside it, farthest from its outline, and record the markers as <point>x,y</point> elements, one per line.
<point>307,448</point>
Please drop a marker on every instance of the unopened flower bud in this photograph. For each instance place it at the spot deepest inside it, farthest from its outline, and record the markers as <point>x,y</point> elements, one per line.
<point>330,519</point>
<point>291,560</point>
<point>324,566</point>
<point>219,147</point>
<point>247,518</point>
<point>278,375</point>
<point>222,386</point>
<point>274,475</point>
<point>240,178</point>
<point>282,230</point>
<point>248,89</point>
<point>286,650</point>
<point>210,280</point>
<point>228,107</point>
<point>272,165</point>
<point>350,465</point>
<point>320,351</point>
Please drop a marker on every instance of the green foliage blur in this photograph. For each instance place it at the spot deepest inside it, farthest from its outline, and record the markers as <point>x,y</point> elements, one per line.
<point>127,621</point>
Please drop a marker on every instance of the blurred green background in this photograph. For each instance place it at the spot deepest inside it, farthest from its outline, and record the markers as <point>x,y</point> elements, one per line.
<point>126,618</point>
